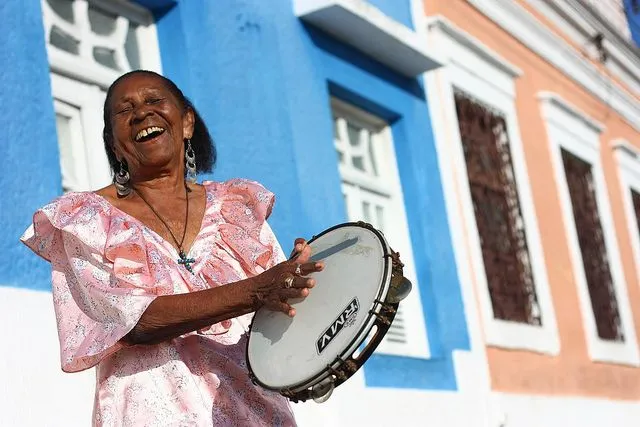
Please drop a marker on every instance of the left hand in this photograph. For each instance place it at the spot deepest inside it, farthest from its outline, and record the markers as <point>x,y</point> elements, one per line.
<point>270,289</point>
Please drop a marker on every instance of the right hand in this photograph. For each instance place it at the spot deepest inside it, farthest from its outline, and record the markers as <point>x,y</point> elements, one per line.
<point>271,288</point>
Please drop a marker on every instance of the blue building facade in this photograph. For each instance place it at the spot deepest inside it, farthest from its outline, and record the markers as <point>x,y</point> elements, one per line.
<point>263,78</point>
<point>632,9</point>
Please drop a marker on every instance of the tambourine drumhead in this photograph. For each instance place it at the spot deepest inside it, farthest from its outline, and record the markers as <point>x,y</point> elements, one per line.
<point>293,353</point>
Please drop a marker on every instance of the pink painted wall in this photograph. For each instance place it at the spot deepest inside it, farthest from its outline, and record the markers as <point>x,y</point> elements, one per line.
<point>572,372</point>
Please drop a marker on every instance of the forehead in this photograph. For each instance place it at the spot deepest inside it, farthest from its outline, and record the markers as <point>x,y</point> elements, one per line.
<point>138,83</point>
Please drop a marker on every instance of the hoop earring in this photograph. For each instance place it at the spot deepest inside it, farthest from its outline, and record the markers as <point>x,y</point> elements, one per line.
<point>190,163</point>
<point>121,180</point>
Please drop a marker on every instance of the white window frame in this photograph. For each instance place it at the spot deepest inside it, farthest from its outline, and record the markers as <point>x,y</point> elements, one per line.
<point>79,82</point>
<point>628,158</point>
<point>73,178</point>
<point>83,67</point>
<point>478,71</point>
<point>397,231</point>
<point>89,158</point>
<point>572,130</point>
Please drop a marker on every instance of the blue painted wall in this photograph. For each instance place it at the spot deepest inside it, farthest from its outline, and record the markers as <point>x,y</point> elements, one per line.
<point>28,143</point>
<point>633,18</point>
<point>262,80</point>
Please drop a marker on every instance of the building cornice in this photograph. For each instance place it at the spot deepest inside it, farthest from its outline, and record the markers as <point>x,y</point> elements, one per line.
<point>532,33</point>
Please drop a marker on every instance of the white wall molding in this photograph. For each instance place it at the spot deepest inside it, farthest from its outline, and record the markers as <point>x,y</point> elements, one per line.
<point>476,70</point>
<point>575,113</point>
<point>517,21</point>
<point>574,133</point>
<point>581,23</point>
<point>368,29</point>
<point>441,24</point>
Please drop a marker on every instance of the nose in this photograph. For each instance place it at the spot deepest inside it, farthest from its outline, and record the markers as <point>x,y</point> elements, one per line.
<point>140,113</point>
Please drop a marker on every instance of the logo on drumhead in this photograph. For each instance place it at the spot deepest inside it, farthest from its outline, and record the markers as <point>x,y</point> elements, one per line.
<point>346,318</point>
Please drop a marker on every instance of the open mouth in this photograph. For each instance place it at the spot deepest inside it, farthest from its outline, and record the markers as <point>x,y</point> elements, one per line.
<point>149,133</point>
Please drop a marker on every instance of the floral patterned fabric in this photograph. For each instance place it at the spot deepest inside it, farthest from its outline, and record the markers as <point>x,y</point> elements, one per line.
<point>107,267</point>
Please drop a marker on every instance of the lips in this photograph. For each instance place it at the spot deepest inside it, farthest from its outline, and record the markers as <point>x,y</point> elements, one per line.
<point>149,133</point>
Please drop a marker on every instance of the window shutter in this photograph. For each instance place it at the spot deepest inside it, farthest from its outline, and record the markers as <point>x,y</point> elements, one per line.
<point>579,178</point>
<point>497,212</point>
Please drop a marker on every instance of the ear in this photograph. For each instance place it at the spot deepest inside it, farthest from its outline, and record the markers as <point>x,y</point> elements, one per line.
<point>188,123</point>
<point>117,152</point>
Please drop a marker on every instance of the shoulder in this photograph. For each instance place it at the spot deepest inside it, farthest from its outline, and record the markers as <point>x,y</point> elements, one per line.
<point>78,214</point>
<point>237,193</point>
<point>74,207</point>
<point>241,187</point>
<point>232,184</point>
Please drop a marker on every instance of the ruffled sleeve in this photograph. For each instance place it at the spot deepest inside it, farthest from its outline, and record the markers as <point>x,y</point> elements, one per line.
<point>245,234</point>
<point>246,206</point>
<point>100,288</point>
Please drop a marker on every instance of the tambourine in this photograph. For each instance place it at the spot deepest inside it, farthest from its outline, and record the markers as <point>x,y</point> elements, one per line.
<point>339,325</point>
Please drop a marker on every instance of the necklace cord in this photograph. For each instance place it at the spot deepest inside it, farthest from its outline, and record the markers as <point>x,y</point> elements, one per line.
<point>186,219</point>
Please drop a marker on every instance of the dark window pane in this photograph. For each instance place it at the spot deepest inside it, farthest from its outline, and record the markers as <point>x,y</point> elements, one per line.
<point>131,47</point>
<point>592,246</point>
<point>635,197</point>
<point>105,57</point>
<point>63,8</point>
<point>101,22</point>
<point>497,211</point>
<point>63,41</point>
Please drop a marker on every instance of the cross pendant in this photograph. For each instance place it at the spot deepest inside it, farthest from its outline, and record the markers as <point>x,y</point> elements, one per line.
<point>186,261</point>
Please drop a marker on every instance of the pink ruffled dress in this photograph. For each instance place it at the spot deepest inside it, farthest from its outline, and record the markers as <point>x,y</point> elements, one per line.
<point>107,267</point>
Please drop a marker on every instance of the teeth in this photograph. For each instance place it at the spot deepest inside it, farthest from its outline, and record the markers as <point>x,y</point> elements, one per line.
<point>144,132</point>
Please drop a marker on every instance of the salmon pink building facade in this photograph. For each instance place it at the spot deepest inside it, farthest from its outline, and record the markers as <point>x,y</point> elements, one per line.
<point>536,116</point>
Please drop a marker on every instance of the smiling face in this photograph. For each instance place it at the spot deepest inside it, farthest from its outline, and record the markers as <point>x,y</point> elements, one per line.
<point>149,125</point>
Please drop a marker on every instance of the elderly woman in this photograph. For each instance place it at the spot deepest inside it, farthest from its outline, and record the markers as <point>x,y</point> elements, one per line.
<point>155,277</point>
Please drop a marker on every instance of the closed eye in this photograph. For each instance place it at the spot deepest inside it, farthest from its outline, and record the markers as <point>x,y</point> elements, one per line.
<point>124,109</point>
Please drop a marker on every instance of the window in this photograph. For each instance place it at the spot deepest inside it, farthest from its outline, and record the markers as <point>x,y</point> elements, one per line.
<point>628,158</point>
<point>498,216</point>
<point>575,150</point>
<point>72,152</point>
<point>595,261</point>
<point>372,193</point>
<point>491,211</point>
<point>89,44</point>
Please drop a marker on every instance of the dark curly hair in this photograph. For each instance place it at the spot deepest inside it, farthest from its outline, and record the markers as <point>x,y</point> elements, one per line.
<point>201,141</point>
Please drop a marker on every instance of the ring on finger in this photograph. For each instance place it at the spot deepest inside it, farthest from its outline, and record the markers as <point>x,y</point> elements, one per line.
<point>288,282</point>
<point>298,269</point>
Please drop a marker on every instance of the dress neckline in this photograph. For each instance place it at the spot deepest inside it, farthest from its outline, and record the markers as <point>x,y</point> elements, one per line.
<point>164,242</point>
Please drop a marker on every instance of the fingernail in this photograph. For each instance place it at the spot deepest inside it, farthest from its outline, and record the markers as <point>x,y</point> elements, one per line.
<point>292,312</point>
<point>311,282</point>
<point>305,292</point>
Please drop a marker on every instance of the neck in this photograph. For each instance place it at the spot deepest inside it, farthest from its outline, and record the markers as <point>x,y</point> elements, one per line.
<point>165,185</point>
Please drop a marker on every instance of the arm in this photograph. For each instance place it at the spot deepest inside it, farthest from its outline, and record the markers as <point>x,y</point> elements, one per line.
<point>170,316</point>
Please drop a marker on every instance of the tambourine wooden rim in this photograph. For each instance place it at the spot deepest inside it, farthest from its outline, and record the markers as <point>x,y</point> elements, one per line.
<point>380,315</point>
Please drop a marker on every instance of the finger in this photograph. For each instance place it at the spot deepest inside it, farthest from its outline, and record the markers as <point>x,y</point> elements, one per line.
<point>298,246</point>
<point>304,255</point>
<point>311,267</point>
<point>280,306</point>
<point>293,293</point>
<point>303,282</point>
